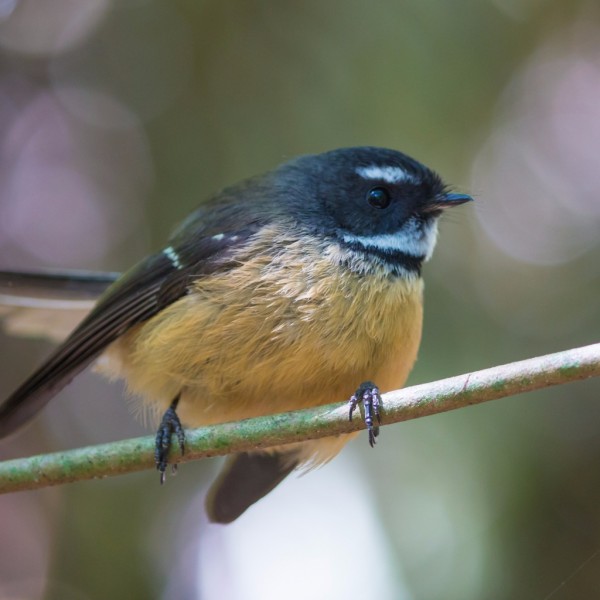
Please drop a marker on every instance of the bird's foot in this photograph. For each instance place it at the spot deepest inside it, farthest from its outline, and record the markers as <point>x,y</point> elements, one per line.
<point>368,395</point>
<point>169,424</point>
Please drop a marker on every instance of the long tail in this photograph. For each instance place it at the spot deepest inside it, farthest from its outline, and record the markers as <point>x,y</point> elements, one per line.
<point>245,479</point>
<point>45,304</point>
<point>48,304</point>
<point>48,286</point>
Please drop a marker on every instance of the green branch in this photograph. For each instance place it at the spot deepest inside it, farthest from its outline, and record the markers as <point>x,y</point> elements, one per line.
<point>401,405</point>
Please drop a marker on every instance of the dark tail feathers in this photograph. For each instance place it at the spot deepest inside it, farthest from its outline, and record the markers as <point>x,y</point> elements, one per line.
<point>244,480</point>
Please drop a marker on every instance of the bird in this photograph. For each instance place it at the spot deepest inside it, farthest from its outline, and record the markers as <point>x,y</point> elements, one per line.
<point>292,289</point>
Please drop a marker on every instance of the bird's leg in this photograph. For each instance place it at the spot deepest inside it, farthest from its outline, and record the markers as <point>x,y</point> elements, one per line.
<point>169,424</point>
<point>368,395</point>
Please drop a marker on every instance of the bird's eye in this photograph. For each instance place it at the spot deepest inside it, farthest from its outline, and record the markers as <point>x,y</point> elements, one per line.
<point>379,197</point>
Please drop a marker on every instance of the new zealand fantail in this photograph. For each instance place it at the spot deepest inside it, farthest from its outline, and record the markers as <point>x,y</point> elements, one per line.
<point>295,288</point>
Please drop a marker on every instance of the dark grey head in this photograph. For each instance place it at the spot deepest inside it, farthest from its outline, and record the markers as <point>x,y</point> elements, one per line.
<point>378,204</point>
<point>379,207</point>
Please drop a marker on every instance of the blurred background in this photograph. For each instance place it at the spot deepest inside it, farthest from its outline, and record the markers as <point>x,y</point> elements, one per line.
<point>119,117</point>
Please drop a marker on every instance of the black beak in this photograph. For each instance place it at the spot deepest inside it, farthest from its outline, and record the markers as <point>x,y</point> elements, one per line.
<point>450,200</point>
<point>444,201</point>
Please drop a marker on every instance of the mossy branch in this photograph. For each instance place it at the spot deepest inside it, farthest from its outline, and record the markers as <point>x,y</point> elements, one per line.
<point>409,403</point>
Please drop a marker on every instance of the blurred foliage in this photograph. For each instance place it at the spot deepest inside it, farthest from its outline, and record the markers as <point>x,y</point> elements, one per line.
<point>117,118</point>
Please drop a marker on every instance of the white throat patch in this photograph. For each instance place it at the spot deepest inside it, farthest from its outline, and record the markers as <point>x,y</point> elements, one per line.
<point>410,240</point>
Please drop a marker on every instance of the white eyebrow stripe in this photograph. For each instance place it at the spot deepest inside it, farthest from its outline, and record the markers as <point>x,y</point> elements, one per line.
<point>170,253</point>
<point>405,241</point>
<point>388,174</point>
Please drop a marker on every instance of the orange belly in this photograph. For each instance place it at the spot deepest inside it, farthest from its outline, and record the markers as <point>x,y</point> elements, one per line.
<point>270,336</point>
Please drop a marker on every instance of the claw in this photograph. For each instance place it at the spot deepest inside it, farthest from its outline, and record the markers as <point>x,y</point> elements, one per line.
<point>169,424</point>
<point>368,395</point>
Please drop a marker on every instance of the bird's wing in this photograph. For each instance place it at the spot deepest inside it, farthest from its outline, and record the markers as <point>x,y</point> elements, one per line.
<point>154,283</point>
